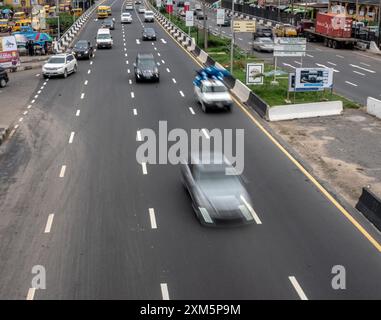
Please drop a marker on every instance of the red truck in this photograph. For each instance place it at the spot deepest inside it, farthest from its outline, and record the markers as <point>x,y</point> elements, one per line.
<point>334,30</point>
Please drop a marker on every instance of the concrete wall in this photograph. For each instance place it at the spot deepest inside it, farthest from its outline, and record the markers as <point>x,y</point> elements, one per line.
<point>373,107</point>
<point>304,110</point>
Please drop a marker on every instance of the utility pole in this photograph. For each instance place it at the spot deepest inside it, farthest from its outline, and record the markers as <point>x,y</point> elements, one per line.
<point>232,40</point>
<point>379,25</point>
<point>205,26</point>
<point>58,17</point>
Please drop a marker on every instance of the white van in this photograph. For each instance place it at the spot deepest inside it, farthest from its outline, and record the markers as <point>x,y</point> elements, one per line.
<point>104,39</point>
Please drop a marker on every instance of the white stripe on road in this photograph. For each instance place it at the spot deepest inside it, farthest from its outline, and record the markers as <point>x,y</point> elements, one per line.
<point>365,64</point>
<point>181,93</point>
<point>331,63</point>
<point>324,66</point>
<point>162,61</point>
<point>352,84</point>
<point>125,49</point>
<point>138,136</point>
<point>135,112</point>
<point>191,110</point>
<point>39,91</point>
<point>126,61</point>
<point>82,95</point>
<point>298,62</point>
<point>163,41</point>
<point>164,291</point>
<point>30,295</point>
<point>86,82</point>
<point>33,101</point>
<point>289,65</point>
<point>137,41</point>
<point>49,223</point>
<point>298,288</point>
<point>36,96</point>
<point>62,172</point>
<point>361,68</point>
<point>126,54</point>
<point>130,81</point>
<point>152,218</point>
<point>37,75</point>
<point>168,70</point>
<point>89,71</point>
<point>158,54</point>
<point>91,62</point>
<point>144,167</point>
<point>132,95</point>
<point>78,112</point>
<point>128,71</point>
<point>25,112</point>
<point>28,107</point>
<point>21,119</point>
<point>252,211</point>
<point>309,55</point>
<point>339,56</point>
<point>71,138</point>
<point>360,73</point>
<point>174,80</point>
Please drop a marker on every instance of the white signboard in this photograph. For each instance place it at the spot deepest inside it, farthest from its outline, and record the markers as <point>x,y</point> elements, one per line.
<point>220,16</point>
<point>158,3</point>
<point>189,22</point>
<point>8,43</point>
<point>313,79</point>
<point>254,73</point>
<point>290,47</point>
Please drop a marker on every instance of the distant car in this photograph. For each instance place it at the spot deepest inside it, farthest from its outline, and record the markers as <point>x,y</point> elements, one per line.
<point>108,23</point>
<point>218,198</point>
<point>148,16</point>
<point>200,15</point>
<point>141,9</point>
<point>262,32</point>
<point>149,34</point>
<point>60,65</point>
<point>83,49</point>
<point>3,77</point>
<point>126,17</point>
<point>146,68</point>
<point>104,38</point>
<point>263,44</point>
<point>129,6</point>
<point>138,2</point>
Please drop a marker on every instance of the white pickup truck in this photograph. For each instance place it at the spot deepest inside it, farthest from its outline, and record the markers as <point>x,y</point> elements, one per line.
<point>213,94</point>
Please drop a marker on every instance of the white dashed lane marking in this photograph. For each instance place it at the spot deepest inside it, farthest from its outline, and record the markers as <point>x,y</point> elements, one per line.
<point>174,80</point>
<point>132,95</point>
<point>144,168</point>
<point>168,70</point>
<point>135,112</point>
<point>62,172</point>
<point>82,95</point>
<point>164,291</point>
<point>30,295</point>
<point>191,110</point>
<point>181,93</point>
<point>152,218</point>
<point>49,223</point>
<point>298,288</point>
<point>71,138</point>
<point>77,113</point>
<point>352,84</point>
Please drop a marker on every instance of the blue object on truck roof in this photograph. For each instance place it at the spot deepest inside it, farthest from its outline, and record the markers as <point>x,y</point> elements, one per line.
<point>211,72</point>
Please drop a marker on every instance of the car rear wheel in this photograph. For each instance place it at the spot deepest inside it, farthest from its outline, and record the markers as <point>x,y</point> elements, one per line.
<point>3,83</point>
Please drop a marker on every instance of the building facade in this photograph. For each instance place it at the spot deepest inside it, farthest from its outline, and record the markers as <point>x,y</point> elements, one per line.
<point>360,10</point>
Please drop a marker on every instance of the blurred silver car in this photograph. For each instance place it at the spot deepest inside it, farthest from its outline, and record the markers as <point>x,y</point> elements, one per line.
<point>218,199</point>
<point>263,44</point>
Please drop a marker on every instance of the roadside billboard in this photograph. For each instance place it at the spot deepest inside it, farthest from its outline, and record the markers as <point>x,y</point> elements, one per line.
<point>289,47</point>
<point>220,16</point>
<point>313,79</point>
<point>254,73</point>
<point>189,18</point>
<point>9,55</point>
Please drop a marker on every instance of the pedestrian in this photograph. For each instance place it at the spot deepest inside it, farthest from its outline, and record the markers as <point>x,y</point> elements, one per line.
<point>30,47</point>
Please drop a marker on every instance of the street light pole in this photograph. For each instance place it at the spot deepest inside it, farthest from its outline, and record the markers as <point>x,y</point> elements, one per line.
<point>232,40</point>
<point>379,24</point>
<point>205,26</point>
<point>58,17</point>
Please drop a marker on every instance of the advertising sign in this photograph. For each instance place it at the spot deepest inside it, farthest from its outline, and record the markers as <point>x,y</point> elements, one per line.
<point>169,6</point>
<point>313,79</point>
<point>189,22</point>
<point>9,56</point>
<point>220,16</point>
<point>186,6</point>
<point>243,26</point>
<point>290,47</point>
<point>158,3</point>
<point>254,73</point>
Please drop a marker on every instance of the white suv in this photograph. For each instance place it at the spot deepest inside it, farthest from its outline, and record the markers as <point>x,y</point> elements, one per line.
<point>148,16</point>
<point>60,65</point>
<point>126,17</point>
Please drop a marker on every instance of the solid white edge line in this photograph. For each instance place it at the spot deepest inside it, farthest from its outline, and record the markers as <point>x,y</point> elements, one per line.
<point>62,172</point>
<point>298,288</point>
<point>30,295</point>
<point>152,218</point>
<point>164,291</point>
<point>49,223</point>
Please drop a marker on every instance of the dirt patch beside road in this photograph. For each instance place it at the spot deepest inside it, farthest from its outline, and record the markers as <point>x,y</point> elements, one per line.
<point>344,151</point>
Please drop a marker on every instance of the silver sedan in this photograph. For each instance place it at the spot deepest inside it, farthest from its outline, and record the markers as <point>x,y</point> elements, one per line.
<point>263,44</point>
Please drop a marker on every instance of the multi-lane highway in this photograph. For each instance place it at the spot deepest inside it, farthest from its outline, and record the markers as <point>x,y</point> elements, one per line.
<point>75,200</point>
<point>357,74</point>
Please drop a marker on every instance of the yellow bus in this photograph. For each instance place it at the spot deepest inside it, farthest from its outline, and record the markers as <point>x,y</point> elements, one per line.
<point>21,23</point>
<point>102,12</point>
<point>19,15</point>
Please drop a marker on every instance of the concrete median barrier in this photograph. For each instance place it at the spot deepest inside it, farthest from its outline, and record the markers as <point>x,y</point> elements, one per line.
<point>370,206</point>
<point>305,110</point>
<point>373,107</point>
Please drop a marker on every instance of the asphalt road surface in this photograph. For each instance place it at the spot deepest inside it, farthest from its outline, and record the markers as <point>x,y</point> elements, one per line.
<point>75,200</point>
<point>357,74</point>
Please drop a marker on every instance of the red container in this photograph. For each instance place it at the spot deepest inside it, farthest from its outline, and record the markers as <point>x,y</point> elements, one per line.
<point>334,25</point>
